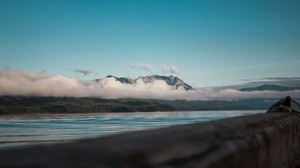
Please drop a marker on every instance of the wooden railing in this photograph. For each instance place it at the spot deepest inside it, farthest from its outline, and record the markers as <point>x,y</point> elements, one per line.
<point>269,140</point>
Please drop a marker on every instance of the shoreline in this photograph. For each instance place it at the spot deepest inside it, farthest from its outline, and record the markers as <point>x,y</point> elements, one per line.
<point>20,105</point>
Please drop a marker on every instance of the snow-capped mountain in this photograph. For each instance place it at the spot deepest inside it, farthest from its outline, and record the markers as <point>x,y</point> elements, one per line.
<point>170,80</point>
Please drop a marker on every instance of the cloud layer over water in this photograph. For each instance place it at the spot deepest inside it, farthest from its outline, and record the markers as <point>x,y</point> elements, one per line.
<point>22,83</point>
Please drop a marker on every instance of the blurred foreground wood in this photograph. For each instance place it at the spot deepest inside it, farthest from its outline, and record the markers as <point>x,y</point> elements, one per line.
<point>258,141</point>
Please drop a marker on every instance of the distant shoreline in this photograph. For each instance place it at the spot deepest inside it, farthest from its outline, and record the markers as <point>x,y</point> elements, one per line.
<point>29,105</point>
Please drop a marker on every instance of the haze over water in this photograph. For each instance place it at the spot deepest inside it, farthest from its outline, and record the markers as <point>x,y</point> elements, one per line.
<point>18,130</point>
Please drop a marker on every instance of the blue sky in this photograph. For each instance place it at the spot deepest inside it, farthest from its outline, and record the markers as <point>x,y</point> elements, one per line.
<point>210,43</point>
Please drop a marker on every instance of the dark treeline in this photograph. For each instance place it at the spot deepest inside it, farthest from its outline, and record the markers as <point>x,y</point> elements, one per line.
<point>16,105</point>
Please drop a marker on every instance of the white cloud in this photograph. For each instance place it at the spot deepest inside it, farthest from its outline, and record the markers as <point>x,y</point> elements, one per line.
<point>82,71</point>
<point>17,82</point>
<point>141,66</point>
<point>170,70</point>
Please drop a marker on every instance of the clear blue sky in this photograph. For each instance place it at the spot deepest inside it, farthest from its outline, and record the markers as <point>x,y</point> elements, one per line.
<point>211,42</point>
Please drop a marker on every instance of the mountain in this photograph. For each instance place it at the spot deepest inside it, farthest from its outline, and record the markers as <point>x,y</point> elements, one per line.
<point>122,79</point>
<point>292,83</point>
<point>170,80</point>
<point>268,87</point>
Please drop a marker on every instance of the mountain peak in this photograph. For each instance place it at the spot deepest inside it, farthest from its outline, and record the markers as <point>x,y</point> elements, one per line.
<point>170,80</point>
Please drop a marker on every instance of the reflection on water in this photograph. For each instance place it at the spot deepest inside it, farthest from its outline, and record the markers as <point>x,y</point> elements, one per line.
<point>42,128</point>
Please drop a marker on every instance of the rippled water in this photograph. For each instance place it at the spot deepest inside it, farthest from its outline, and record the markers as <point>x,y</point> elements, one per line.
<point>18,130</point>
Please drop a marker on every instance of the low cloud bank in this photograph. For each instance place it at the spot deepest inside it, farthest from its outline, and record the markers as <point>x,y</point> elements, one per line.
<point>22,83</point>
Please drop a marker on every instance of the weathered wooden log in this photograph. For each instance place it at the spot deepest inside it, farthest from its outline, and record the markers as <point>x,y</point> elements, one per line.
<point>262,141</point>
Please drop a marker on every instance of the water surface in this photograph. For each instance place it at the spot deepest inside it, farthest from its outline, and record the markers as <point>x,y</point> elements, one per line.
<point>16,130</point>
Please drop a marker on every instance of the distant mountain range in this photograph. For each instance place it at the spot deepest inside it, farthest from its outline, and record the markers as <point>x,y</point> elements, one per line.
<point>269,87</point>
<point>170,80</point>
<point>177,82</point>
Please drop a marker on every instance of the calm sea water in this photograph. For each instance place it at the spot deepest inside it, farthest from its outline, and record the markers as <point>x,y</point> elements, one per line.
<point>19,130</point>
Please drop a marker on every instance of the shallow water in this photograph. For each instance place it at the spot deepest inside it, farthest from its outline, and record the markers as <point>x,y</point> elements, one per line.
<point>19,130</point>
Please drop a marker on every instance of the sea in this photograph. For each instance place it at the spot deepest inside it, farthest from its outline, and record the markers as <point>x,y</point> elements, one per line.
<point>30,129</point>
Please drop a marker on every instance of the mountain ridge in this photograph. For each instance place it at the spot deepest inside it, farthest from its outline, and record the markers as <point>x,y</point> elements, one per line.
<point>269,87</point>
<point>170,80</point>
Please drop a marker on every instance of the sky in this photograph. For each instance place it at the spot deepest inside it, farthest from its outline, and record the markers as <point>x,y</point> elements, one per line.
<point>204,42</point>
